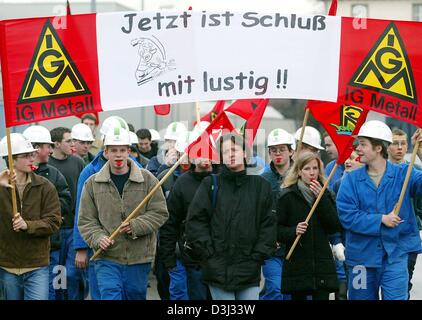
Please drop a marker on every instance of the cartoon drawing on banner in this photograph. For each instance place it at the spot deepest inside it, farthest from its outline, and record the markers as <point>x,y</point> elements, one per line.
<point>348,118</point>
<point>152,60</point>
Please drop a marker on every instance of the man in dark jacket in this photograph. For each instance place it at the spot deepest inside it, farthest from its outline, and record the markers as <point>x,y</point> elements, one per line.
<point>41,140</point>
<point>234,237</point>
<point>185,274</point>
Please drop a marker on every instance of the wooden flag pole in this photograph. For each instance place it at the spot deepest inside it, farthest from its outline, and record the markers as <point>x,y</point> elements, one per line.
<point>302,132</point>
<point>313,209</point>
<point>11,170</point>
<point>144,202</point>
<point>406,179</point>
<point>198,113</point>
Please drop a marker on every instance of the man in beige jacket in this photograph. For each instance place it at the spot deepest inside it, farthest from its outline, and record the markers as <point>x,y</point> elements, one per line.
<point>107,199</point>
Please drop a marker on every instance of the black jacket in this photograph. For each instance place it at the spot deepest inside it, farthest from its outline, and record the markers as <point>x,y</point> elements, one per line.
<point>235,238</point>
<point>311,266</point>
<point>58,180</point>
<point>172,233</point>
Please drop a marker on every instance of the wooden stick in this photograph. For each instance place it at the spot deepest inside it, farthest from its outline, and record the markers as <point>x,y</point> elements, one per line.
<point>302,132</point>
<point>11,170</point>
<point>313,209</point>
<point>406,179</point>
<point>144,202</point>
<point>198,113</point>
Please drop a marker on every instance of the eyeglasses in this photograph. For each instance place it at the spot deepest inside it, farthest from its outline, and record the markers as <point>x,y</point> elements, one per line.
<point>279,150</point>
<point>83,142</point>
<point>30,155</point>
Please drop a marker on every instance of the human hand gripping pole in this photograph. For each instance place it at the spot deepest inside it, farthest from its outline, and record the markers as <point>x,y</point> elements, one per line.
<point>313,209</point>
<point>143,203</point>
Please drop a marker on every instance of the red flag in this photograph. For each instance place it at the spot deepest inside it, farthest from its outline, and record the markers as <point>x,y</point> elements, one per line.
<point>244,107</point>
<point>381,67</point>
<point>333,8</point>
<point>210,116</point>
<point>68,12</point>
<point>252,123</point>
<point>206,145</point>
<point>342,123</point>
<point>162,109</point>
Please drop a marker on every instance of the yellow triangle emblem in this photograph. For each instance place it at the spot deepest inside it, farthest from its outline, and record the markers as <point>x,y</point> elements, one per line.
<point>387,68</point>
<point>52,73</point>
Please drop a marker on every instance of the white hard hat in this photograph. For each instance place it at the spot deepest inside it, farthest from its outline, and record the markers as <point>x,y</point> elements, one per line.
<point>376,129</point>
<point>82,132</point>
<point>133,137</point>
<point>311,137</point>
<point>200,127</point>
<point>112,122</point>
<point>117,137</point>
<point>174,129</point>
<point>184,140</point>
<point>20,145</point>
<point>38,134</point>
<point>279,136</point>
<point>155,136</point>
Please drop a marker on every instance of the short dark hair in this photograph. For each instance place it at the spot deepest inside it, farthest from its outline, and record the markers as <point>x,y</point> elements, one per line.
<point>89,116</point>
<point>383,144</point>
<point>399,132</point>
<point>58,133</point>
<point>131,127</point>
<point>144,134</point>
<point>238,140</point>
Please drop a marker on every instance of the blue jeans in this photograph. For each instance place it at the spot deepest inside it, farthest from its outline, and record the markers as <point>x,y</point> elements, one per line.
<point>186,283</point>
<point>32,285</point>
<point>341,272</point>
<point>392,279</point>
<point>54,261</point>
<point>122,282</point>
<point>251,293</point>
<point>92,278</point>
<point>75,277</point>
<point>272,270</point>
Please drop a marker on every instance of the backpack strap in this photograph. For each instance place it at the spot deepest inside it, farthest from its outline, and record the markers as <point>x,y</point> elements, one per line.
<point>214,189</point>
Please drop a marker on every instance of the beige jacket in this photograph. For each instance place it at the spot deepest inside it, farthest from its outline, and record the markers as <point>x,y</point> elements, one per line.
<point>102,210</point>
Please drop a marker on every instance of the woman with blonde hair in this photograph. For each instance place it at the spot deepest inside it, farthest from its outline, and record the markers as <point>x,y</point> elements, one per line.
<point>311,269</point>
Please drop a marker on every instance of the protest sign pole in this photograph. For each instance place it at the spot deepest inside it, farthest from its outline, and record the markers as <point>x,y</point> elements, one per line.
<point>198,113</point>
<point>144,202</point>
<point>302,132</point>
<point>11,170</point>
<point>313,209</point>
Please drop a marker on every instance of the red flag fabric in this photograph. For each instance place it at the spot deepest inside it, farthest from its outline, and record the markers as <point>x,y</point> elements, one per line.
<point>333,8</point>
<point>252,123</point>
<point>162,109</point>
<point>210,116</point>
<point>381,67</point>
<point>244,107</point>
<point>205,146</point>
<point>342,123</point>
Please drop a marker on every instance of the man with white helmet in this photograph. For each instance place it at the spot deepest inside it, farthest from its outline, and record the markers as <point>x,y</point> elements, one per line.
<point>82,139</point>
<point>311,139</point>
<point>145,143</point>
<point>71,167</point>
<point>90,119</point>
<point>41,140</point>
<point>378,241</point>
<point>167,155</point>
<point>25,237</point>
<point>280,150</point>
<point>108,198</point>
<point>83,252</point>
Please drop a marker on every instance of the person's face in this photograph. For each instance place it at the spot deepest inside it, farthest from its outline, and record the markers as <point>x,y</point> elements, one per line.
<point>366,151</point>
<point>307,147</point>
<point>280,154</point>
<point>117,156</point>
<point>81,147</point>
<point>309,172</point>
<point>65,146</point>
<point>24,162</point>
<point>44,151</point>
<point>203,164</point>
<point>398,149</point>
<point>352,163</point>
<point>330,148</point>
<point>144,145</point>
<point>233,156</point>
<point>91,124</point>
